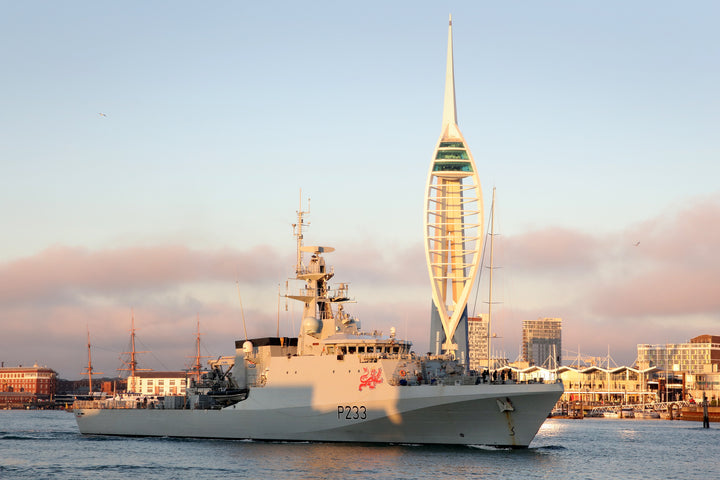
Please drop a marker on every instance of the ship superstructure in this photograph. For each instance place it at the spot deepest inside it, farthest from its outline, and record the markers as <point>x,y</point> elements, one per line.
<point>453,227</point>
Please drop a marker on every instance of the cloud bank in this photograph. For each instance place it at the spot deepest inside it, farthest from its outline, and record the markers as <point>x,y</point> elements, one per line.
<point>654,282</point>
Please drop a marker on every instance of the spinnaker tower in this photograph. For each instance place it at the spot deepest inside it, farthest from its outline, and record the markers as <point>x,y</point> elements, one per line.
<point>453,227</point>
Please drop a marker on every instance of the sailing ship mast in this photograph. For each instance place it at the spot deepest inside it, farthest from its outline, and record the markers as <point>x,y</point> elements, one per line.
<point>132,365</point>
<point>89,369</point>
<point>197,366</point>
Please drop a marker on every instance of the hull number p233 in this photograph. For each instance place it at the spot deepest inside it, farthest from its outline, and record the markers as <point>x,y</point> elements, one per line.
<point>351,412</point>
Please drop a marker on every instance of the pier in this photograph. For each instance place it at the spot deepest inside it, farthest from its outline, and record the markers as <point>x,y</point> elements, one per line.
<point>671,410</point>
<point>678,410</point>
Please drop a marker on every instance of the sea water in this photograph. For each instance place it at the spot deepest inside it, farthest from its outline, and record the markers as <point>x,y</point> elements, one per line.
<point>47,445</point>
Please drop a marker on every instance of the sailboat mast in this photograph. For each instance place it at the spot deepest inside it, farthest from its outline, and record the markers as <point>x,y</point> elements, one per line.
<point>492,242</point>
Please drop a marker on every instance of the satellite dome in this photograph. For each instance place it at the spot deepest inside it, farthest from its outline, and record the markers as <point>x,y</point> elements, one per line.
<point>311,325</point>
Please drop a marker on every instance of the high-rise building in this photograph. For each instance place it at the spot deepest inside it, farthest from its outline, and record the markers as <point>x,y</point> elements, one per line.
<point>700,355</point>
<point>453,228</point>
<point>542,342</point>
<point>478,342</point>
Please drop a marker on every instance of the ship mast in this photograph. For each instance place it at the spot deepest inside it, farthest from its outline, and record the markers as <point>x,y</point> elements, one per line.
<point>318,320</point>
<point>132,364</point>
<point>298,232</point>
<point>89,369</point>
<point>197,367</point>
<point>133,361</point>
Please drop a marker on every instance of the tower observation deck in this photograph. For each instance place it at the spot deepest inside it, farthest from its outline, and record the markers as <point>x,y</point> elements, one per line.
<point>453,227</point>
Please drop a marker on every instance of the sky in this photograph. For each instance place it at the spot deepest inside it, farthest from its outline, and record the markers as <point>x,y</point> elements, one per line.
<point>153,156</point>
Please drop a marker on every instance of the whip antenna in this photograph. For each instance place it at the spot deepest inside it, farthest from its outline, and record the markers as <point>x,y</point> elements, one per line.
<point>241,310</point>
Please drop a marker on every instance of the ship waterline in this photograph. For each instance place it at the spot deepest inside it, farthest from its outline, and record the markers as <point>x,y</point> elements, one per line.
<point>485,414</point>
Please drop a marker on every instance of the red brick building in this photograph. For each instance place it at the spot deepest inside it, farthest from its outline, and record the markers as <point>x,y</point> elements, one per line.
<point>26,385</point>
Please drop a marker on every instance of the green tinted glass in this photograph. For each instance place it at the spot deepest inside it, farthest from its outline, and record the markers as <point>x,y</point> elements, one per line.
<point>452,155</point>
<point>452,167</point>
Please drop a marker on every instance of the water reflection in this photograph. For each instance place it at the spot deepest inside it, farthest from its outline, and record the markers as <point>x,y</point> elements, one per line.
<point>563,449</point>
<point>628,435</point>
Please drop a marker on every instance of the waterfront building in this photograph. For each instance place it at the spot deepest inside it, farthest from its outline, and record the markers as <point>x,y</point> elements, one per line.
<point>542,342</point>
<point>700,355</point>
<point>453,228</point>
<point>598,385</point>
<point>157,383</point>
<point>24,385</point>
<point>699,383</point>
<point>695,364</point>
<point>35,379</point>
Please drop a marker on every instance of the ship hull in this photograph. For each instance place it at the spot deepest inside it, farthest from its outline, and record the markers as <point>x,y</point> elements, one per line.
<point>499,415</point>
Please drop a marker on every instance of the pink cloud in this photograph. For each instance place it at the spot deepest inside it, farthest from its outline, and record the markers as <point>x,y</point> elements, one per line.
<point>62,271</point>
<point>56,335</point>
<point>551,250</point>
<point>674,270</point>
<point>381,264</point>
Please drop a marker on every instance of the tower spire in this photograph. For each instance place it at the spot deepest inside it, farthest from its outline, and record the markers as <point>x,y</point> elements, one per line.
<point>449,108</point>
<point>453,227</point>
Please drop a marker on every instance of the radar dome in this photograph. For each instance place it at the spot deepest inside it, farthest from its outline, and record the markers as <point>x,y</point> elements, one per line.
<point>311,325</point>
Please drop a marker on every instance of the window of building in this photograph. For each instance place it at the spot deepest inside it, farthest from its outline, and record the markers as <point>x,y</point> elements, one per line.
<point>452,167</point>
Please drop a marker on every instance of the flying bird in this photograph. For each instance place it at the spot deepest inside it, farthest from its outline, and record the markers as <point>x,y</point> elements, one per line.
<point>636,244</point>
<point>102,114</point>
